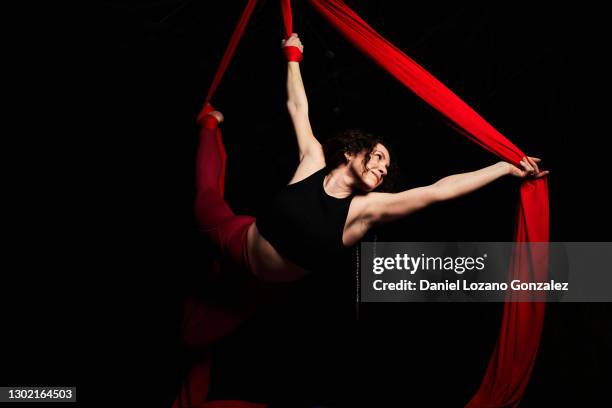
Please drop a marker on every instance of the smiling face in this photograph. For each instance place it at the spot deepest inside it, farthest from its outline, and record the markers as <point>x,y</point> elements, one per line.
<point>369,171</point>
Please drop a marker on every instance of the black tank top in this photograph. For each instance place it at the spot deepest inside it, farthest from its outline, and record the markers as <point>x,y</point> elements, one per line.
<point>305,224</point>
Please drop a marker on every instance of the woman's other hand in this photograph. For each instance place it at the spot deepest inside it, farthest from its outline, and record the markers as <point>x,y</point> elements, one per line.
<point>529,168</point>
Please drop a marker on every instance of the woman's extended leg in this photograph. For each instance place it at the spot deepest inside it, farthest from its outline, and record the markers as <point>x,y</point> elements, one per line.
<point>226,230</point>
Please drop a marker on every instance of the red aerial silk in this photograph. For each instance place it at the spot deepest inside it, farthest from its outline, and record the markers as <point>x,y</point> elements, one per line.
<point>510,366</point>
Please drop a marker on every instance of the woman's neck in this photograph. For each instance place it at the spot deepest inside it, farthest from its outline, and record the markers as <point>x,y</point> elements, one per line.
<point>339,182</point>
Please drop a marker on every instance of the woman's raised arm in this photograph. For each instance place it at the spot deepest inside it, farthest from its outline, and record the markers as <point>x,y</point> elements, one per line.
<point>297,104</point>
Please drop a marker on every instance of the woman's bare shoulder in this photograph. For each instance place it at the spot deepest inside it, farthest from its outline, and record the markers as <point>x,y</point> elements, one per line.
<point>307,167</point>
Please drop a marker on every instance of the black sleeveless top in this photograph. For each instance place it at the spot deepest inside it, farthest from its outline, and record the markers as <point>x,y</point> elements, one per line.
<point>305,224</point>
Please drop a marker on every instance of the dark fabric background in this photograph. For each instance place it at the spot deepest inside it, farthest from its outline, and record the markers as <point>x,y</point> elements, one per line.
<point>105,247</point>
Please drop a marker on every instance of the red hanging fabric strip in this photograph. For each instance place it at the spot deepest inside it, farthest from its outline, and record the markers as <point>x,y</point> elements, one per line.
<point>287,17</point>
<point>510,366</point>
<point>229,52</point>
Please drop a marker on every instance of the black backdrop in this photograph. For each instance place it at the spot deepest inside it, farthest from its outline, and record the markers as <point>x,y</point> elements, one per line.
<point>106,247</point>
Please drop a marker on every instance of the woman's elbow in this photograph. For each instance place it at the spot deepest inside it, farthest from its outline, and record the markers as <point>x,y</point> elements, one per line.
<point>297,108</point>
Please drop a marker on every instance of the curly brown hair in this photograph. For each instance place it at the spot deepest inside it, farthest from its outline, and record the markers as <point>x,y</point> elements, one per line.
<point>354,141</point>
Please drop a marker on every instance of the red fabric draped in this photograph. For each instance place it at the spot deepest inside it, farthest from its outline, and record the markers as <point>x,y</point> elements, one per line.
<point>510,366</point>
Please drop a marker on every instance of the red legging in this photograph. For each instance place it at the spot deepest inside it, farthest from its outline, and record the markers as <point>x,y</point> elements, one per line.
<point>226,230</point>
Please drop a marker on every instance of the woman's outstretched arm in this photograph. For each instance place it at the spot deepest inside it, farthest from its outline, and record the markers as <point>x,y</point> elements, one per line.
<point>387,207</point>
<point>297,104</point>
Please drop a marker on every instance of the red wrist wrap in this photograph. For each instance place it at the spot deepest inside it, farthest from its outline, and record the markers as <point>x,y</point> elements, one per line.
<point>293,53</point>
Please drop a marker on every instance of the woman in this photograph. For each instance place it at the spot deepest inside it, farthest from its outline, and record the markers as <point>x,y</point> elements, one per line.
<point>331,200</point>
